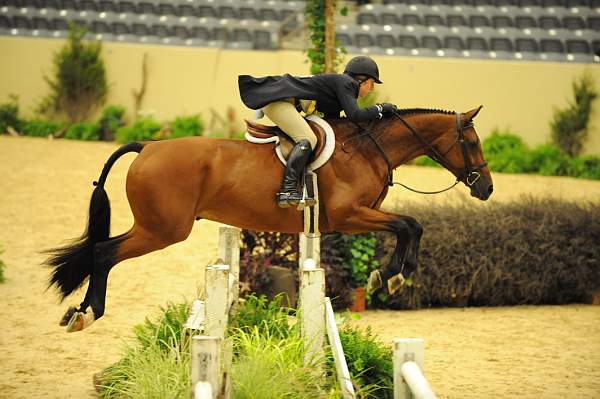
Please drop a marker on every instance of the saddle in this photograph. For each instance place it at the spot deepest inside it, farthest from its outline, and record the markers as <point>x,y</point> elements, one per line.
<point>267,133</point>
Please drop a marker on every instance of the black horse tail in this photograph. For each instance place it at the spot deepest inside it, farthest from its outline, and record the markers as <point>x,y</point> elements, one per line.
<point>74,263</point>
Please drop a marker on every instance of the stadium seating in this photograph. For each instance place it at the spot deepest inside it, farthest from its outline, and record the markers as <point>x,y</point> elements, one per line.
<point>543,30</point>
<point>243,24</point>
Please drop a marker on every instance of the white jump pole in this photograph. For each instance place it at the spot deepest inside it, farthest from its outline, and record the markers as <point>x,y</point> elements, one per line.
<point>217,300</point>
<point>312,302</point>
<point>229,253</point>
<point>409,381</point>
<point>206,366</point>
<point>339,359</point>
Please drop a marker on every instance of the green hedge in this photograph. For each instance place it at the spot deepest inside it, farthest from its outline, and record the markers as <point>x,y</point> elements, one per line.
<point>83,131</point>
<point>40,128</point>
<point>524,252</point>
<point>506,152</point>
<point>142,129</point>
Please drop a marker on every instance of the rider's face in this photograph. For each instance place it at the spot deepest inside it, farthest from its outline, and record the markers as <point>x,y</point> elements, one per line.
<point>366,87</point>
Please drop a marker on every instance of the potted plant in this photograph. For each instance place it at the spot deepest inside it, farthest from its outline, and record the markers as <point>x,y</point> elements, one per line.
<point>359,265</point>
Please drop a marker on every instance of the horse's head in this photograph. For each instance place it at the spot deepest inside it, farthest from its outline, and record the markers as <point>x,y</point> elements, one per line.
<point>460,149</point>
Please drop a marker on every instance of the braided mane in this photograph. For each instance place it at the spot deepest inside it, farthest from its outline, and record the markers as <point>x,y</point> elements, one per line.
<point>410,111</point>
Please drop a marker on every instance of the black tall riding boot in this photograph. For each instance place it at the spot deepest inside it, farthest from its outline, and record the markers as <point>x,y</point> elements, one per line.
<point>289,194</point>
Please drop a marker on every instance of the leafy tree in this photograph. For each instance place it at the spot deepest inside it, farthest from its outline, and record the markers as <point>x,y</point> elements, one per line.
<point>78,83</point>
<point>570,125</point>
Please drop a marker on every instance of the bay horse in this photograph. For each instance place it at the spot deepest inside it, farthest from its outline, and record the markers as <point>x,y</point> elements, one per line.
<point>172,183</point>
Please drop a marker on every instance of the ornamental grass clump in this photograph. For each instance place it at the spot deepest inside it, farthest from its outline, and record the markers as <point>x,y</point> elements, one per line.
<point>528,251</point>
<point>156,364</point>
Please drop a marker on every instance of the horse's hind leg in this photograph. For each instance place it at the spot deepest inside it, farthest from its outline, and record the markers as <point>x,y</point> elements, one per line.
<point>136,242</point>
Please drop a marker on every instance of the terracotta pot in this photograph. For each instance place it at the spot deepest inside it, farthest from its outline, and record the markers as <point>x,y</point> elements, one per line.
<point>358,300</point>
<point>282,281</point>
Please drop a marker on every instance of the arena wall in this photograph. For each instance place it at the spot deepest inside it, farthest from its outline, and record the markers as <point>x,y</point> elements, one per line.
<point>517,95</point>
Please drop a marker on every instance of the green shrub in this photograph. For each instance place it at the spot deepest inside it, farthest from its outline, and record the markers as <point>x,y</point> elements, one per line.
<point>157,363</point>
<point>587,167</point>
<point>505,152</point>
<point>111,120</point>
<point>41,128</point>
<point>269,317</point>
<point>78,83</point>
<point>83,131</point>
<point>369,361</point>
<point>360,259</point>
<point>528,251</point>
<point>9,115</point>
<point>426,161</point>
<point>184,126</point>
<point>548,160</point>
<point>2,267</point>
<point>142,129</point>
<point>570,125</point>
<point>270,367</point>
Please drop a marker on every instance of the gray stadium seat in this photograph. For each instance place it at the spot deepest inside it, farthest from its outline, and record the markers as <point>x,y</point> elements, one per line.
<point>525,21</point>
<point>186,10</point>
<point>501,44</point>
<point>477,43</point>
<point>595,3</point>
<point>166,9</point>
<point>147,8</point>
<point>366,18</point>
<point>552,3</point>
<point>180,32</point>
<point>227,12</point>
<point>60,24</point>
<point>408,42</point>
<point>127,7</point>
<point>119,28</point>
<point>577,3</point>
<point>108,6</point>
<point>502,21</point>
<point>548,22</point>
<point>476,21</point>
<point>551,46</point>
<point>526,45</point>
<point>41,24</point>
<point>364,40</point>
<point>573,23</point>
<point>201,32</point>
<point>87,5</point>
<point>578,47</point>
<point>456,20</point>
<point>410,19</point>
<point>529,3</point>
<point>431,43</point>
<point>593,23</point>
<point>454,43</point>
<point>139,30</point>
<point>344,39</point>
<point>389,19</point>
<point>207,11</point>
<point>247,13</point>
<point>262,39</point>
<point>19,22</point>
<point>386,40</point>
<point>268,14</point>
<point>434,20</point>
<point>49,4</point>
<point>101,27</point>
<point>68,5</point>
<point>241,35</point>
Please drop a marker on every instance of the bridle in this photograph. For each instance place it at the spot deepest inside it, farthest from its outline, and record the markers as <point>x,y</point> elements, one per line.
<point>469,173</point>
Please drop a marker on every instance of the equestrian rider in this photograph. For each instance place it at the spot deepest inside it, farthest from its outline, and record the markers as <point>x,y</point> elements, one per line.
<point>281,98</point>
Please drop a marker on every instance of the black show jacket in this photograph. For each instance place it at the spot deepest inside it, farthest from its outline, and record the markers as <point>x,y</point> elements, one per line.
<point>333,93</point>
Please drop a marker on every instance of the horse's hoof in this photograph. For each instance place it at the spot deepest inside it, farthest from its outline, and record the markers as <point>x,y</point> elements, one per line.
<point>395,283</point>
<point>374,282</point>
<point>79,321</point>
<point>65,319</point>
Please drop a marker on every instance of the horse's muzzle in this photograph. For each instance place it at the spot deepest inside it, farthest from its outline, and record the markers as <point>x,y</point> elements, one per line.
<point>482,188</point>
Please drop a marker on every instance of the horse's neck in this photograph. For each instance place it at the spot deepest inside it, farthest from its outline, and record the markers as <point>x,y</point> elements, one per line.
<point>398,142</point>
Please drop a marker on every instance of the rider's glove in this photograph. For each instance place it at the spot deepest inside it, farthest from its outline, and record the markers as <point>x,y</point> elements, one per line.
<point>388,109</point>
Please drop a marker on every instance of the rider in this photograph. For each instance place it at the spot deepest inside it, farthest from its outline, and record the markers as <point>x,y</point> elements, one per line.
<point>281,98</point>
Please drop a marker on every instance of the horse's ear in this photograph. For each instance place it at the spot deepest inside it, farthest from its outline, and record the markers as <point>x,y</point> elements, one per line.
<point>468,116</point>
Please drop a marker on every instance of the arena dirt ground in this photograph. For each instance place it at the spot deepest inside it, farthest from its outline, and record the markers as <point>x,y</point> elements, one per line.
<point>512,352</point>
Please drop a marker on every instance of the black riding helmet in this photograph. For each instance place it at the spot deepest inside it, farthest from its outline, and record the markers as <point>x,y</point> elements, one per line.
<point>363,65</point>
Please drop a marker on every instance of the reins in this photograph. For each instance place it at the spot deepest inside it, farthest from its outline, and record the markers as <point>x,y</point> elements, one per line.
<point>434,154</point>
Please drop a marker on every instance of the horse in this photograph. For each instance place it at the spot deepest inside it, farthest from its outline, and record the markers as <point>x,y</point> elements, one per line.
<point>173,183</point>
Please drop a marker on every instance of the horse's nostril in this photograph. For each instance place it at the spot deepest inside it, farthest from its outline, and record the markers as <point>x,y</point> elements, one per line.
<point>490,188</point>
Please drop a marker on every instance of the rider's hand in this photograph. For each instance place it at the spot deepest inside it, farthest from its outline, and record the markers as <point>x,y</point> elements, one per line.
<point>388,109</point>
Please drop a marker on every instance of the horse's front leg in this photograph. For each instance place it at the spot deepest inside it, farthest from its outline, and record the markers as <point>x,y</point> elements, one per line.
<point>408,234</point>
